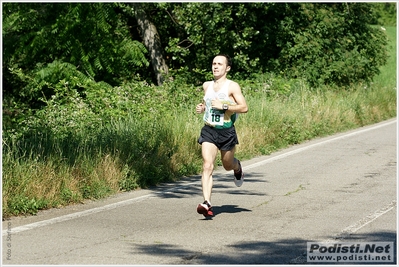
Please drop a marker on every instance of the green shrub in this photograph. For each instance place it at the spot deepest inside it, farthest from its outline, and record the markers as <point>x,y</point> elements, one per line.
<point>332,44</point>
<point>384,14</point>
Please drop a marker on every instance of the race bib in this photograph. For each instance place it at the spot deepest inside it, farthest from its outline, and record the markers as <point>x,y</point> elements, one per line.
<point>215,117</point>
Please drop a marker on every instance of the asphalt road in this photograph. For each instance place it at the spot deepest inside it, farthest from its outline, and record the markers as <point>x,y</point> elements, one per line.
<point>341,188</point>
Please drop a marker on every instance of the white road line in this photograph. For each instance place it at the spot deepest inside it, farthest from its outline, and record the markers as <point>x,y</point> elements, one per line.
<point>141,198</point>
<point>345,233</point>
<point>365,221</point>
<point>76,215</point>
<point>296,151</point>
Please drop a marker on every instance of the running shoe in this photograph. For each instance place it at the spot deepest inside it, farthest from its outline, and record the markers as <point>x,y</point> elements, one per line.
<point>205,209</point>
<point>239,176</point>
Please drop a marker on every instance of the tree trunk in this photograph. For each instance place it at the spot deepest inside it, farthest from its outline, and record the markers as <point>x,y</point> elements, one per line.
<point>152,41</point>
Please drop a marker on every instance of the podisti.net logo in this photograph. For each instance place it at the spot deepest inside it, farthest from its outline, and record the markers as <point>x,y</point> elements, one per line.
<point>361,252</point>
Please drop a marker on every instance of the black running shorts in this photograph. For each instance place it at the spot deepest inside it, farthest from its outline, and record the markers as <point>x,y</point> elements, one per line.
<point>224,139</point>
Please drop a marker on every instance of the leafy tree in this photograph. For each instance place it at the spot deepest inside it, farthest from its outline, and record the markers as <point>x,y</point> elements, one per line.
<point>202,30</point>
<point>384,14</point>
<point>106,43</point>
<point>151,39</point>
<point>77,43</point>
<point>324,43</point>
<point>331,44</point>
<point>94,37</point>
<point>86,43</point>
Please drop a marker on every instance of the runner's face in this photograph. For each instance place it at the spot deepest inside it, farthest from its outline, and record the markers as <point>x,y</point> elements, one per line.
<point>219,66</point>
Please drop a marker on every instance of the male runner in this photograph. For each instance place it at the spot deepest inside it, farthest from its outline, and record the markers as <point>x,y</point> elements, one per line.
<point>223,101</point>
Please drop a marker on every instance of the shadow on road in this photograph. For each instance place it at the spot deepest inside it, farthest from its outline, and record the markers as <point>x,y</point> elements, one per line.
<point>222,182</point>
<point>225,209</point>
<point>228,209</point>
<point>284,251</point>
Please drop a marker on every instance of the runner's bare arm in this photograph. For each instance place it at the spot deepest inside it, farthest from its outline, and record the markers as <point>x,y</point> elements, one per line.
<point>236,94</point>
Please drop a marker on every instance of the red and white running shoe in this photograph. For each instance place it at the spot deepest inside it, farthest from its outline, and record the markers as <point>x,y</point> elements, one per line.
<point>205,209</point>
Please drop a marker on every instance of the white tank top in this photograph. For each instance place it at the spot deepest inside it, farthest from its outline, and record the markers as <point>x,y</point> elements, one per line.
<point>219,119</point>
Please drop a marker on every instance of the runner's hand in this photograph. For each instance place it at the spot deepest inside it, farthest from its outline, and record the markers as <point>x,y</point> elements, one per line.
<point>200,108</point>
<point>216,104</point>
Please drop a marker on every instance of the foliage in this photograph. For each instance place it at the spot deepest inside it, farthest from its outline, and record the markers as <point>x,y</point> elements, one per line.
<point>387,77</point>
<point>82,119</point>
<point>101,40</point>
<point>93,37</point>
<point>324,43</point>
<point>202,30</point>
<point>384,14</point>
<point>145,135</point>
<point>48,169</point>
<point>332,44</point>
<point>82,44</point>
<point>80,104</point>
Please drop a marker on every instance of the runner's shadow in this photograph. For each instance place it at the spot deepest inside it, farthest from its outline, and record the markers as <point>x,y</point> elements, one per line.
<point>228,209</point>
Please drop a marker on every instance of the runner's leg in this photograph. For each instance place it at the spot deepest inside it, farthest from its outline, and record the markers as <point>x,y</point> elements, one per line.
<point>229,161</point>
<point>209,153</point>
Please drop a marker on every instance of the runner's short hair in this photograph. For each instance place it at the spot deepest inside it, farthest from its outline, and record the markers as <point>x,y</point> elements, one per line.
<point>228,59</point>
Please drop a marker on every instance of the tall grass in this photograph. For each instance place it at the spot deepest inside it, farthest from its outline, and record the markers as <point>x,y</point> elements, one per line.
<point>42,171</point>
<point>276,123</point>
